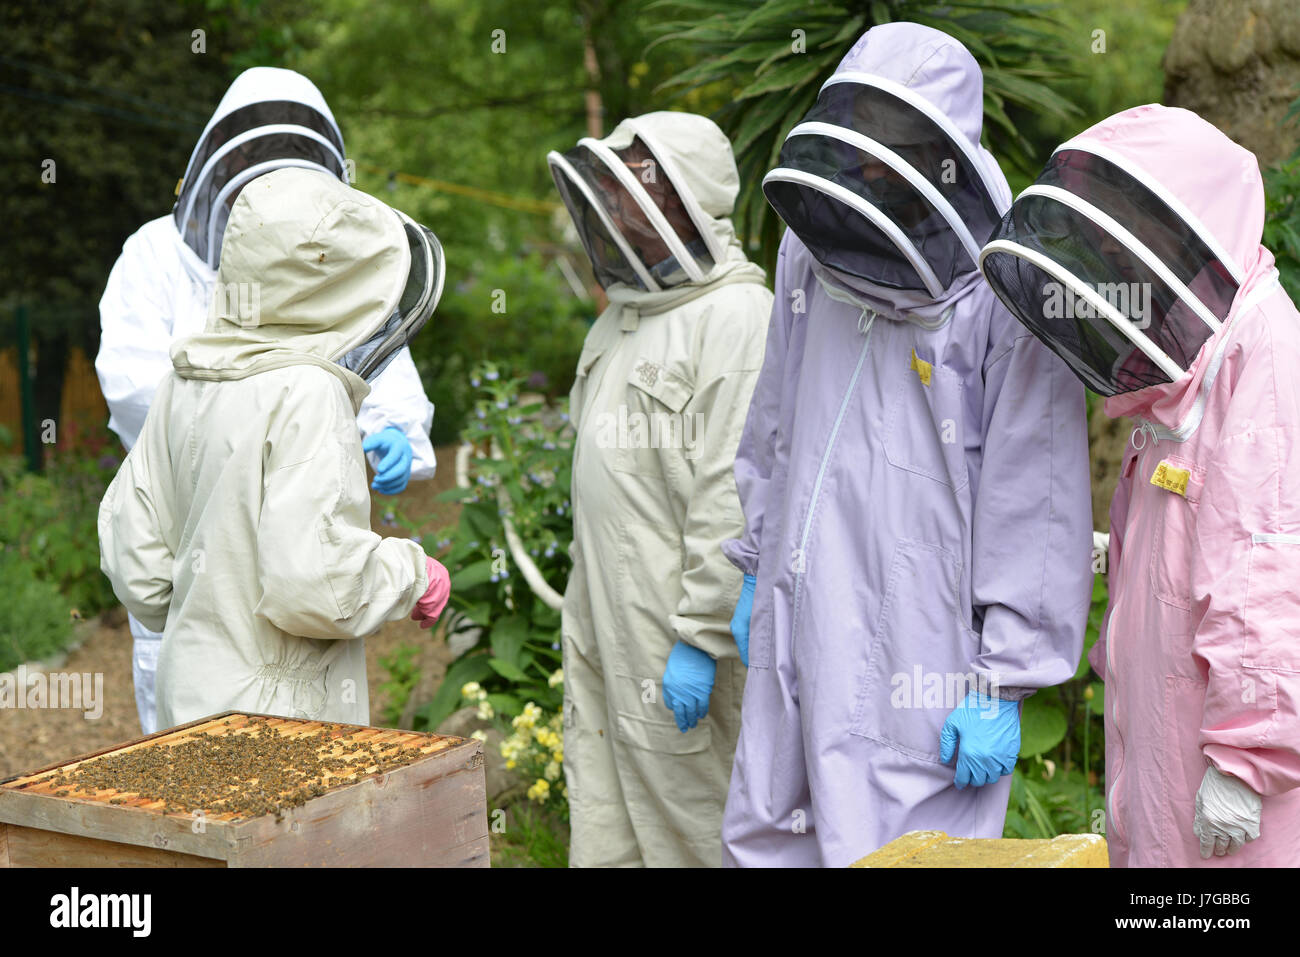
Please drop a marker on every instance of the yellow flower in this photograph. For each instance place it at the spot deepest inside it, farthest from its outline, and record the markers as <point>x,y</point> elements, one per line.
<point>510,765</point>
<point>552,771</point>
<point>540,790</point>
<point>485,711</point>
<point>479,735</point>
<point>558,754</point>
<point>556,679</point>
<point>470,690</point>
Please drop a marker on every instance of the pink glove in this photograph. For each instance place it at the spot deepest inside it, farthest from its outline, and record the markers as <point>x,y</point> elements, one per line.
<point>430,606</point>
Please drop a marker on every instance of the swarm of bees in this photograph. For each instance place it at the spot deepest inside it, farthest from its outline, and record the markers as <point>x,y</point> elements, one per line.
<point>257,771</point>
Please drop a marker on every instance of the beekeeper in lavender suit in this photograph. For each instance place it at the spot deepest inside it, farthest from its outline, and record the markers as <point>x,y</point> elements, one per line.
<point>914,478</point>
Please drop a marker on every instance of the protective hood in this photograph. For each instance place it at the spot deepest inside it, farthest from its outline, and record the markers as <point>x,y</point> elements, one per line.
<point>1126,258</point>
<point>884,180</point>
<point>268,119</point>
<point>315,272</point>
<point>652,201</point>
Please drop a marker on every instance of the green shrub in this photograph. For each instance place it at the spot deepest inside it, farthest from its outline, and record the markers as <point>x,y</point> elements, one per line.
<point>518,650</point>
<point>50,518</point>
<point>34,620</point>
<point>518,312</point>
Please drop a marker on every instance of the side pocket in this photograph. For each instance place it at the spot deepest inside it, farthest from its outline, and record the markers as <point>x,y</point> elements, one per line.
<point>652,420</point>
<point>916,664</point>
<point>1272,608</point>
<point>924,426</point>
<point>1173,547</point>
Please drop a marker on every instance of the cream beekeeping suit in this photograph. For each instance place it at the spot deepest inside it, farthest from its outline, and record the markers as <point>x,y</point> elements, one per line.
<point>238,526</point>
<point>663,385</point>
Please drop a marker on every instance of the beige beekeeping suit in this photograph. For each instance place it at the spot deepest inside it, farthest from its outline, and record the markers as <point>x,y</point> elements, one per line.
<point>662,390</point>
<point>239,524</point>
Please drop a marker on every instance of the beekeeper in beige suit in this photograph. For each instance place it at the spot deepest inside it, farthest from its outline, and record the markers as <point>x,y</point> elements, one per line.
<point>653,680</point>
<point>239,524</point>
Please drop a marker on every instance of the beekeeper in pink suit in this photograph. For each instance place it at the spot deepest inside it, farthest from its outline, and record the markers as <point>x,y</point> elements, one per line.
<point>1136,256</point>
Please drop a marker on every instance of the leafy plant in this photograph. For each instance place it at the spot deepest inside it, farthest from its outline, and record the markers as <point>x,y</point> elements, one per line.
<point>402,678</point>
<point>1056,787</point>
<point>1282,214</point>
<point>34,622</point>
<point>520,473</point>
<point>49,520</point>
<point>767,61</point>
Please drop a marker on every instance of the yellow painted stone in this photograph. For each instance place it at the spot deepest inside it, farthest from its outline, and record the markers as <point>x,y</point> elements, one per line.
<point>937,849</point>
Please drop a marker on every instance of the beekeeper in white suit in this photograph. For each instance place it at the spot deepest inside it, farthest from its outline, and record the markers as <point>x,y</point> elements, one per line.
<point>239,524</point>
<point>160,288</point>
<point>652,677</point>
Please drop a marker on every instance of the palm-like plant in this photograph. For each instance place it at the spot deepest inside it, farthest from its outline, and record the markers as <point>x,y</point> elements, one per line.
<point>753,55</point>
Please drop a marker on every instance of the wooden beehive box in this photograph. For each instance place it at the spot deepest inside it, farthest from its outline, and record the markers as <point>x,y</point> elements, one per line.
<point>431,812</point>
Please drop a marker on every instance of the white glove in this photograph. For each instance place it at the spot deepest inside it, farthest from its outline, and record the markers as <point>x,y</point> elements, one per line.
<point>1227,814</point>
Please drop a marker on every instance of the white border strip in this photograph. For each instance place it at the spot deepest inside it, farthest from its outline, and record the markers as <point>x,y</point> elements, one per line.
<point>901,166</point>
<point>703,221</point>
<point>882,222</point>
<point>933,113</point>
<point>1185,429</point>
<point>255,133</point>
<point>560,165</point>
<point>1262,538</point>
<point>1063,276</point>
<point>1131,242</point>
<point>647,206</point>
<point>1168,198</point>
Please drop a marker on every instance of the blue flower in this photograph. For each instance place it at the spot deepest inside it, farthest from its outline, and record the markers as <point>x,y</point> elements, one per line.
<point>555,646</point>
<point>492,375</point>
<point>502,404</point>
<point>475,382</point>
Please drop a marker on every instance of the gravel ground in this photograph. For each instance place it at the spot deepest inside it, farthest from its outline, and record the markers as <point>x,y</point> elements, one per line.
<point>30,739</point>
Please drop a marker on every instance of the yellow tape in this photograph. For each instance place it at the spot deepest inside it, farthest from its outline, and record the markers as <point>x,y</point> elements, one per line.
<point>922,368</point>
<point>1170,478</point>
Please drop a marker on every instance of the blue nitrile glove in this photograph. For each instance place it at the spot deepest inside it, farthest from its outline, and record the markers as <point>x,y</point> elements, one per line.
<point>688,682</point>
<point>394,459</point>
<point>989,733</point>
<point>740,620</point>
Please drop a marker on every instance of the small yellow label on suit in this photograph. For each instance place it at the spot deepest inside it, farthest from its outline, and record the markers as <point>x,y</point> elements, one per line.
<point>1170,478</point>
<point>923,368</point>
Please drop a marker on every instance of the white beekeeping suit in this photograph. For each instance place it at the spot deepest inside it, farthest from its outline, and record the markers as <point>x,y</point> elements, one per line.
<point>239,524</point>
<point>163,282</point>
<point>652,678</point>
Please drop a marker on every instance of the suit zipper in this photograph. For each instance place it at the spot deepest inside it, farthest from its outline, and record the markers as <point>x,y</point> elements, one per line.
<point>865,322</point>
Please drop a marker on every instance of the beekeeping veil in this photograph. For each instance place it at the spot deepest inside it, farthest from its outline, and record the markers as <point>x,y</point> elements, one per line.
<point>268,119</point>
<point>884,179</point>
<point>651,201</point>
<point>1108,266</point>
<point>315,272</point>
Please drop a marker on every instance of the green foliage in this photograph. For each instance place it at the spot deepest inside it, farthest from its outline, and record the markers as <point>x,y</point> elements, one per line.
<point>1056,786</point>
<point>48,521</point>
<point>1282,214</point>
<point>34,622</point>
<point>402,678</point>
<point>515,310</point>
<point>121,97</point>
<point>519,648</point>
<point>747,53</point>
<point>533,837</point>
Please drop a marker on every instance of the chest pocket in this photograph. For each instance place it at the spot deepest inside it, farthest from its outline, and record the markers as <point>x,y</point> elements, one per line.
<point>653,430</point>
<point>1174,531</point>
<point>924,425</point>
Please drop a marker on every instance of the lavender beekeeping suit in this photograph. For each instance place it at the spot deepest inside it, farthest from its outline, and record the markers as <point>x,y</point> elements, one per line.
<point>913,474</point>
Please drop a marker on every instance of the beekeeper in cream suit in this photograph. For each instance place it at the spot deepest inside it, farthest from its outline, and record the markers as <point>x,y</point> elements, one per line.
<point>161,286</point>
<point>239,524</point>
<point>652,678</point>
